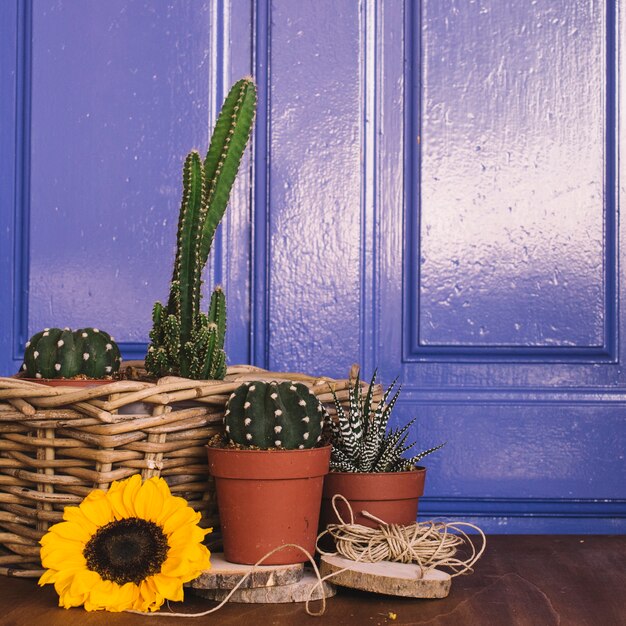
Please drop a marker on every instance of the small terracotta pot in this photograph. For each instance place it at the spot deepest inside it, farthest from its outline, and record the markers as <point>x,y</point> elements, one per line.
<point>392,497</point>
<point>65,382</point>
<point>267,498</point>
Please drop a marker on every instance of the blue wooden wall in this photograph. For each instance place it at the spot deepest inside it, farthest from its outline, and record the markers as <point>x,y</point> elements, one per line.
<point>433,190</point>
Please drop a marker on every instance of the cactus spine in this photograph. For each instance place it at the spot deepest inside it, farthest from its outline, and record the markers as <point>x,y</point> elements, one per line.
<point>274,415</point>
<point>185,341</point>
<point>63,353</point>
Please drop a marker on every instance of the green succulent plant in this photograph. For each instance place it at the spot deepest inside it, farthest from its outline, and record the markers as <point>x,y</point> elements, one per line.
<point>361,439</point>
<point>274,415</point>
<point>185,341</point>
<point>64,353</point>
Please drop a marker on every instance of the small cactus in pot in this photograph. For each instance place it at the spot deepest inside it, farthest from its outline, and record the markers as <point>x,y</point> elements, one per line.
<point>269,471</point>
<point>63,353</point>
<point>274,415</point>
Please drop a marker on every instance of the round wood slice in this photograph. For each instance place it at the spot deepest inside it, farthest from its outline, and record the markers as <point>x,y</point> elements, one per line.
<point>225,575</point>
<point>395,579</point>
<point>296,592</point>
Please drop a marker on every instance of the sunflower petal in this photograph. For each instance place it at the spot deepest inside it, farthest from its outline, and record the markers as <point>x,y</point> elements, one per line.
<point>74,514</point>
<point>149,598</point>
<point>149,501</point>
<point>131,487</point>
<point>61,559</point>
<point>83,581</point>
<point>96,508</point>
<point>47,577</point>
<point>179,518</point>
<point>116,498</point>
<point>169,587</point>
<point>71,531</point>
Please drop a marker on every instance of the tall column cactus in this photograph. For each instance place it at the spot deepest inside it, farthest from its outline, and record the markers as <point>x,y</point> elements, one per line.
<point>185,341</point>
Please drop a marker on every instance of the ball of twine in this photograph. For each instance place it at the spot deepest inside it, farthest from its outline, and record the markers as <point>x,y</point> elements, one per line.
<point>430,545</point>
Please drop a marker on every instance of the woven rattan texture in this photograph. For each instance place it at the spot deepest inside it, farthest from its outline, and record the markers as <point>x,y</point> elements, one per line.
<point>59,443</point>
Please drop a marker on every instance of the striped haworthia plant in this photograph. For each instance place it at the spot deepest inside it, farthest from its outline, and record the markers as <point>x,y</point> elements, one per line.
<point>361,439</point>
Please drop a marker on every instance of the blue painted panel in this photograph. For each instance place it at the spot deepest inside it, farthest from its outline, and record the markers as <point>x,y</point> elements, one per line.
<point>314,187</point>
<point>120,93</point>
<point>515,208</point>
<point>14,129</point>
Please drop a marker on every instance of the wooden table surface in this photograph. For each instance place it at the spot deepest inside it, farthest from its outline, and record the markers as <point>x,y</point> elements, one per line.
<point>521,580</point>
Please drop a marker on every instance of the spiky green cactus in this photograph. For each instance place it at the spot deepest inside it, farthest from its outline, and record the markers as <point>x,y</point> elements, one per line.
<point>63,353</point>
<point>274,415</point>
<point>185,341</point>
<point>360,437</point>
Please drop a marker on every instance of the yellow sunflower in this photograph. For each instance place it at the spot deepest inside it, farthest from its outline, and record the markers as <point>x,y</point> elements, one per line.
<point>132,547</point>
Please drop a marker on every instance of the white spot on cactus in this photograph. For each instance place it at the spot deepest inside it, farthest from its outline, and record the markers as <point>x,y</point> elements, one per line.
<point>278,412</point>
<point>27,344</point>
<point>108,369</point>
<point>60,343</point>
<point>305,419</point>
<point>46,334</point>
<point>23,366</point>
<point>319,408</point>
<point>248,384</point>
<point>322,424</point>
<point>108,347</point>
<point>66,328</point>
<point>293,388</point>
<point>305,436</point>
<point>247,421</point>
<point>227,429</point>
<point>278,443</point>
<point>248,436</point>
<point>35,354</point>
<point>37,375</point>
<point>95,330</point>
<point>232,395</point>
<point>83,335</point>
<point>46,329</point>
<point>151,349</point>
<point>227,412</point>
<point>253,388</point>
<point>302,403</point>
<point>277,429</point>
<point>301,446</point>
<point>85,356</point>
<point>246,405</point>
<point>274,396</point>
<point>112,338</point>
<point>57,367</point>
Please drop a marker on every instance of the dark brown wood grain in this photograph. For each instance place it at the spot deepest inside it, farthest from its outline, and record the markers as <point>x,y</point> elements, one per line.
<point>520,581</point>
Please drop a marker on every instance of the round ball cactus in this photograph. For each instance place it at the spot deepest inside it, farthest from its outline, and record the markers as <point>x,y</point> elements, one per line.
<point>274,415</point>
<point>63,353</point>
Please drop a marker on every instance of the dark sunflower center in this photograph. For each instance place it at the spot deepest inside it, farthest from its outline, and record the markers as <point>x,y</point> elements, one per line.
<point>127,551</point>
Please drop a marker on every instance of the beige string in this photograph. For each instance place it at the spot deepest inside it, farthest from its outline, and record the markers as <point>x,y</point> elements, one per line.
<point>429,544</point>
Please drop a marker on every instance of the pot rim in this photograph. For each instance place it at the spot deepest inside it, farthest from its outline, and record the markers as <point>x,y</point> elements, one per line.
<point>233,464</point>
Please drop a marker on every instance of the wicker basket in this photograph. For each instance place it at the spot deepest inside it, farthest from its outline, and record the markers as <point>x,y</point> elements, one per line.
<point>59,443</point>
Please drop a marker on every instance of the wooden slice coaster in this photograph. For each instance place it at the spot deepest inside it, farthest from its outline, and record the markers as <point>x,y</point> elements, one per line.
<point>395,579</point>
<point>296,592</point>
<point>226,575</point>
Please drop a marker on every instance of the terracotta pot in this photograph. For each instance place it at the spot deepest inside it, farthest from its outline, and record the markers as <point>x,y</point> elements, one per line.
<point>392,497</point>
<point>267,498</point>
